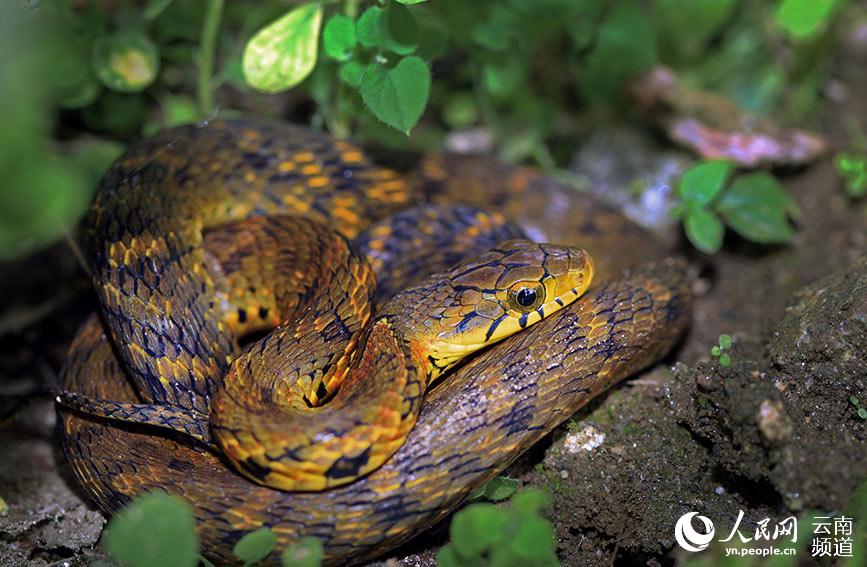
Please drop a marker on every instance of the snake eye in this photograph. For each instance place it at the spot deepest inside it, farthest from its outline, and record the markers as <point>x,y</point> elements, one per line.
<point>526,296</point>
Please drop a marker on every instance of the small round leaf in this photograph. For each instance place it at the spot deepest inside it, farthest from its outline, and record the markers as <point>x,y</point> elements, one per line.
<point>351,73</point>
<point>283,53</point>
<point>475,528</point>
<point>126,62</point>
<point>155,529</point>
<point>338,37</point>
<point>704,229</point>
<point>393,28</point>
<point>255,546</point>
<point>397,96</point>
<point>307,552</point>
<point>702,182</point>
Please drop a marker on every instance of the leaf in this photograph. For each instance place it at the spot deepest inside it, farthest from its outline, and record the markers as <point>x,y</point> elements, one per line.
<point>702,182</point>
<point>534,538</point>
<point>758,208</point>
<point>283,53</point>
<point>475,528</point>
<point>725,341</point>
<point>853,168</point>
<point>725,360</point>
<point>410,2</point>
<point>529,502</point>
<point>500,487</point>
<point>179,109</point>
<point>351,73</point>
<point>339,38</point>
<point>704,229</point>
<point>154,8</point>
<point>255,546</point>
<point>804,18</point>
<point>393,28</point>
<point>155,529</point>
<point>307,552</point>
<point>397,96</point>
<point>126,61</point>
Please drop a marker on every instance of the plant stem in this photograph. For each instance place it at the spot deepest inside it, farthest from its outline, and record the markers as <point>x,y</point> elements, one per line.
<point>207,52</point>
<point>338,125</point>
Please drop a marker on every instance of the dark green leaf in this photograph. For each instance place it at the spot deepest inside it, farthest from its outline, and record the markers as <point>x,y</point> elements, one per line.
<point>338,37</point>
<point>255,546</point>
<point>351,73</point>
<point>702,182</point>
<point>307,552</point>
<point>758,208</point>
<point>155,529</point>
<point>529,502</point>
<point>477,527</point>
<point>534,538</point>
<point>397,96</point>
<point>803,18</point>
<point>393,28</point>
<point>704,229</point>
<point>625,48</point>
<point>283,53</point>
<point>126,62</point>
<point>500,488</point>
<point>155,7</point>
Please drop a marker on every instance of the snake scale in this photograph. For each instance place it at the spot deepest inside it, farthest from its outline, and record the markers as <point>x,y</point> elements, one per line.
<point>174,235</point>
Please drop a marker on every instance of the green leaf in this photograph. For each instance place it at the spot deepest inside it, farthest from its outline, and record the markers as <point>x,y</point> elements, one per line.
<point>154,8</point>
<point>475,528</point>
<point>725,341</point>
<point>460,110</point>
<point>393,28</point>
<point>255,546</point>
<point>715,350</point>
<point>397,96</point>
<point>758,208</point>
<point>283,53</point>
<point>410,2</point>
<point>500,487</point>
<point>702,182</point>
<point>704,229</point>
<point>534,538</point>
<point>126,61</point>
<point>529,502</point>
<point>447,557</point>
<point>351,73</point>
<point>725,360</point>
<point>179,109</point>
<point>862,413</point>
<point>625,47</point>
<point>853,168</point>
<point>804,18</point>
<point>307,552</point>
<point>338,37</point>
<point>155,529</point>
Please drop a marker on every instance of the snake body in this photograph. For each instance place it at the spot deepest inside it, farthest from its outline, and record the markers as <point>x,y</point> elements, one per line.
<point>154,232</point>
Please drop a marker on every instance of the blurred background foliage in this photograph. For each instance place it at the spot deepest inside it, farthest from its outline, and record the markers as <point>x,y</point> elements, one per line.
<point>80,79</point>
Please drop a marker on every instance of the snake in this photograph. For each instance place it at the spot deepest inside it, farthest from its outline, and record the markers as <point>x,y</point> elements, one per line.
<point>416,342</point>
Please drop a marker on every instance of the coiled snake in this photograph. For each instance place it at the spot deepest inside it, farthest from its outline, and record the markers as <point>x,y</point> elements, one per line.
<point>205,234</point>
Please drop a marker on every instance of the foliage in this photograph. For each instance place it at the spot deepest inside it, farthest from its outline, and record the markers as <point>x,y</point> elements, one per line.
<point>721,350</point>
<point>497,489</point>
<point>754,205</point>
<point>484,534</point>
<point>853,168</point>
<point>158,529</point>
<point>88,77</point>
<point>859,409</point>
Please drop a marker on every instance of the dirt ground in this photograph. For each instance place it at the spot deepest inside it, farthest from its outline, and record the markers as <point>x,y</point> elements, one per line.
<point>772,435</point>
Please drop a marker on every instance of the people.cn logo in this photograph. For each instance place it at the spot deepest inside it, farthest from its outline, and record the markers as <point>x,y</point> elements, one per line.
<point>688,538</point>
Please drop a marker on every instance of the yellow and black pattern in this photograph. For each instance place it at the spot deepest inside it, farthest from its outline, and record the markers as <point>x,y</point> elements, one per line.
<point>173,231</point>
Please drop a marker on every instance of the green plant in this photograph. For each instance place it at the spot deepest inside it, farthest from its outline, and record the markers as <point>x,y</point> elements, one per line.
<point>484,534</point>
<point>158,529</point>
<point>497,489</point>
<point>721,350</point>
<point>859,409</point>
<point>754,205</point>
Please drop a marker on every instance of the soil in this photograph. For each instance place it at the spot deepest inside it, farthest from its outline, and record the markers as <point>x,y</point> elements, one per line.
<point>773,434</point>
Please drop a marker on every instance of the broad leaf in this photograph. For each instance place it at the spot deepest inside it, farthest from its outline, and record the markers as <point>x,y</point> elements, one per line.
<point>704,229</point>
<point>758,208</point>
<point>397,96</point>
<point>283,53</point>
<point>702,182</point>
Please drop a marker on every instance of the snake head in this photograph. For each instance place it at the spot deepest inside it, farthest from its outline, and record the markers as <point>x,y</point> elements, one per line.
<point>491,297</point>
